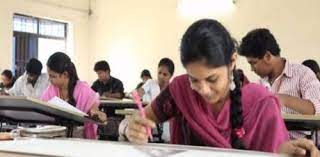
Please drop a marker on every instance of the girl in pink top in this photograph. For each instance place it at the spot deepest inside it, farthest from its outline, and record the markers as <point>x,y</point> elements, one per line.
<point>65,84</point>
<point>208,105</point>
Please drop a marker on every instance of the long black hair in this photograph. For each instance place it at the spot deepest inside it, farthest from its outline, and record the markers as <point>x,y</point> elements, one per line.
<point>207,40</point>
<point>60,62</point>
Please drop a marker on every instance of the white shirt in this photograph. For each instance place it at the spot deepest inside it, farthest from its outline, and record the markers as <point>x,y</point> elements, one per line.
<point>151,90</point>
<point>298,81</point>
<point>22,88</point>
<point>265,82</point>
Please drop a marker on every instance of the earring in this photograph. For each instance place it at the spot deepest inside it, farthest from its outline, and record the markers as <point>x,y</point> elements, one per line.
<point>232,85</point>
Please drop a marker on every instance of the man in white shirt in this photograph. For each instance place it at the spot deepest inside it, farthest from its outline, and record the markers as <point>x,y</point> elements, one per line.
<point>31,84</point>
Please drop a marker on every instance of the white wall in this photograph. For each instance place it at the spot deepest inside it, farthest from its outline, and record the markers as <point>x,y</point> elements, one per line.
<point>71,11</point>
<point>132,35</point>
<point>294,23</point>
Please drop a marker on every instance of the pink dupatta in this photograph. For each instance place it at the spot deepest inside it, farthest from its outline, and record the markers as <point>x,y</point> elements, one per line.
<point>85,98</point>
<point>263,123</point>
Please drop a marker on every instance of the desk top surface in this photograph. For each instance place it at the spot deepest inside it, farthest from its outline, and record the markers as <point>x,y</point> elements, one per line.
<point>301,117</point>
<point>118,101</point>
<point>85,148</point>
<point>27,102</point>
<point>19,108</point>
<point>124,103</point>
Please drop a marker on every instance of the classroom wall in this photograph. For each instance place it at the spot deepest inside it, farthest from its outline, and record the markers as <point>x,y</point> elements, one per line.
<point>75,12</point>
<point>133,35</point>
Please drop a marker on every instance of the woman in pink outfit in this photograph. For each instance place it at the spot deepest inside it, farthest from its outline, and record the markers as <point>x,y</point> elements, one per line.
<point>65,84</point>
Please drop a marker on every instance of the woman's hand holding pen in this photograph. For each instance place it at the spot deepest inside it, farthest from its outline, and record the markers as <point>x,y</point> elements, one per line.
<point>98,116</point>
<point>136,131</point>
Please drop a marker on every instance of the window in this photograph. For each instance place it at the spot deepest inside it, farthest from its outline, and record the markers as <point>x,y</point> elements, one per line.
<point>25,24</point>
<point>51,28</point>
<point>36,38</point>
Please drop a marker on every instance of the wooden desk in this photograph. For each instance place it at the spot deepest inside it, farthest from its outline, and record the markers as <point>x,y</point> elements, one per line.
<point>86,148</point>
<point>126,112</point>
<point>124,103</point>
<point>304,123</point>
<point>108,98</point>
<point>299,117</point>
<point>21,109</point>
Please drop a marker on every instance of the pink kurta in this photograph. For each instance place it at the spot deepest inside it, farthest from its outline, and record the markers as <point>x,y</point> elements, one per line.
<point>194,123</point>
<point>85,98</point>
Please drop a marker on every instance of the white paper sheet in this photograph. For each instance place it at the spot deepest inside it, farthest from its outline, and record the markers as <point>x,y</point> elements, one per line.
<point>66,106</point>
<point>86,148</point>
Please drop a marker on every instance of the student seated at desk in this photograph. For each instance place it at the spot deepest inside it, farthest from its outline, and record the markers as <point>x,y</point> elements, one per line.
<point>209,105</point>
<point>66,85</point>
<point>106,85</point>
<point>313,65</point>
<point>31,84</point>
<point>295,85</point>
<point>7,80</point>
<point>165,72</point>
<point>150,87</point>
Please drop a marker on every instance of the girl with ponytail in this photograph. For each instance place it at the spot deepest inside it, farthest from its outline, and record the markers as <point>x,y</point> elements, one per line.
<point>208,105</point>
<point>65,84</point>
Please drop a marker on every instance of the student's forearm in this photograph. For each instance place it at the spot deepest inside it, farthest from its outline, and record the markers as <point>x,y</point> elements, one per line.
<point>300,105</point>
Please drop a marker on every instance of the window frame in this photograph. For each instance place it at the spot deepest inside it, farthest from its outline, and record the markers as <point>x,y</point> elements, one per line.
<point>38,28</point>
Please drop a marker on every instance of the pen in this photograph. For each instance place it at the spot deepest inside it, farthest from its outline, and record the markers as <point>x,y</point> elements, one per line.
<point>137,100</point>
